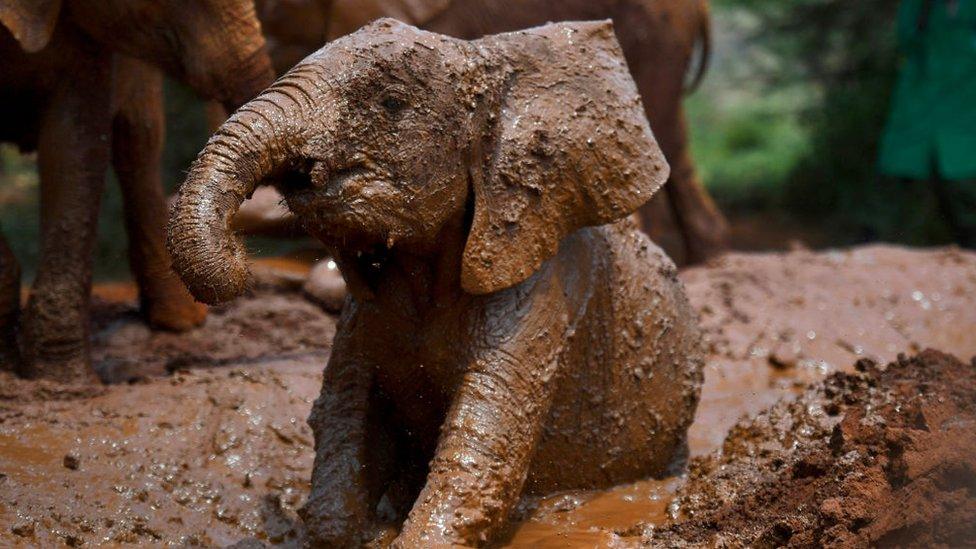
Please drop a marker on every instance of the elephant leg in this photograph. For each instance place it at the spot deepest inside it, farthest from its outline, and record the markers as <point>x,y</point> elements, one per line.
<point>659,62</point>
<point>9,307</point>
<point>73,156</point>
<point>657,222</point>
<point>702,224</point>
<point>353,457</point>
<point>137,149</point>
<point>483,456</point>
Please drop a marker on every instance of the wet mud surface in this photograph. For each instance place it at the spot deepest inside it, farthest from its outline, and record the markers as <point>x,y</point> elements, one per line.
<point>204,439</point>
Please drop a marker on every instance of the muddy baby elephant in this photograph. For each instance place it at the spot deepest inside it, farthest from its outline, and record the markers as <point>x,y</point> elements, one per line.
<point>509,330</point>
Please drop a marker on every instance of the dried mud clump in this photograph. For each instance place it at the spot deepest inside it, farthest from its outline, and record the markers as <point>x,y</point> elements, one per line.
<point>885,456</point>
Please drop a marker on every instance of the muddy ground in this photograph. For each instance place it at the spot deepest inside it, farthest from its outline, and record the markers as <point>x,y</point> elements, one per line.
<point>203,439</point>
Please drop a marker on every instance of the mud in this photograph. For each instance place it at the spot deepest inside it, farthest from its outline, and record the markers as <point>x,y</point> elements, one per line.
<point>216,455</point>
<point>882,457</point>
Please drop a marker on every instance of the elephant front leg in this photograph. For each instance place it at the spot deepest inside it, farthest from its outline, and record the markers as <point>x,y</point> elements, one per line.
<point>137,149</point>
<point>347,475</point>
<point>9,307</point>
<point>483,456</point>
<point>73,158</point>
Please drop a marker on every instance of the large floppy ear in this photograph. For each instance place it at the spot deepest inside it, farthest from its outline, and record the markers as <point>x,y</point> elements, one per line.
<point>573,149</point>
<point>31,22</point>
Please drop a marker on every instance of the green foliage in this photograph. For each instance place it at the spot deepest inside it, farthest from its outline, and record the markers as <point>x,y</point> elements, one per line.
<point>824,146</point>
<point>745,152</point>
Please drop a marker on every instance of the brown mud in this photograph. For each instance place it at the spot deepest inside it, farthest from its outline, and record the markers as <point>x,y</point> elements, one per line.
<point>885,457</point>
<point>215,455</point>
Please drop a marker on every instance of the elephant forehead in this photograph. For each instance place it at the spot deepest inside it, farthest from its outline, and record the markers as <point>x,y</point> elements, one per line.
<point>389,39</point>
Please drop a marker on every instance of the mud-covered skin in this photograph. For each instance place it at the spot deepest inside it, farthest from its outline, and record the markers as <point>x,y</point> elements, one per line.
<point>70,90</point>
<point>584,376</point>
<point>498,328</point>
<point>658,37</point>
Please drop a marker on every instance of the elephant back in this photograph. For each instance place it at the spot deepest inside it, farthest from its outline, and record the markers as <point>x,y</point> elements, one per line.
<point>349,15</point>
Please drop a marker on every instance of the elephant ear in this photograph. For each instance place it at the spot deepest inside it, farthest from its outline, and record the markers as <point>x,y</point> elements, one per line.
<point>31,22</point>
<point>572,149</point>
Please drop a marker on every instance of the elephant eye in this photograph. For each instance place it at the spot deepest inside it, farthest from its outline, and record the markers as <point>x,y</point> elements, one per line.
<point>393,104</point>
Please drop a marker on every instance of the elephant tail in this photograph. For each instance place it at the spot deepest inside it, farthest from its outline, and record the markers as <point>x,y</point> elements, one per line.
<point>704,40</point>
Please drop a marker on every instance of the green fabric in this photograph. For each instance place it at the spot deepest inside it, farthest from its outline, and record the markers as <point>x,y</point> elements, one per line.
<point>931,131</point>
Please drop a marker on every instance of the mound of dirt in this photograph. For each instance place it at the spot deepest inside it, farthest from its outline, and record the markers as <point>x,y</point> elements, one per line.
<point>883,457</point>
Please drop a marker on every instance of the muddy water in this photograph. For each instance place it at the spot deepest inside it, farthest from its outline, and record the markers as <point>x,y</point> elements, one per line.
<point>590,519</point>
<point>222,454</point>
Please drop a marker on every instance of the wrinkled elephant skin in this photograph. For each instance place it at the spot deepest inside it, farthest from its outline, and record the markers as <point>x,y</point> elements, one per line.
<point>658,37</point>
<point>509,330</point>
<point>80,82</point>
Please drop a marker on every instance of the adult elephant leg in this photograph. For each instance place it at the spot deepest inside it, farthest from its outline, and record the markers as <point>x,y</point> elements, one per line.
<point>137,149</point>
<point>9,307</point>
<point>657,222</point>
<point>659,61</point>
<point>702,224</point>
<point>73,156</point>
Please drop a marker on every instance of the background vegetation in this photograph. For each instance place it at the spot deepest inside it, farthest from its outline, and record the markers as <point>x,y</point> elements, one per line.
<point>789,122</point>
<point>785,131</point>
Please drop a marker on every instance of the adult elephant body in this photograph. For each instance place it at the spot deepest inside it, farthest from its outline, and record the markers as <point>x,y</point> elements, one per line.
<point>659,38</point>
<point>79,83</point>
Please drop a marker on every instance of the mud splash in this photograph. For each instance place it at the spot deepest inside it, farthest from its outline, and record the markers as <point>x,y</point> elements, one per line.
<point>219,454</point>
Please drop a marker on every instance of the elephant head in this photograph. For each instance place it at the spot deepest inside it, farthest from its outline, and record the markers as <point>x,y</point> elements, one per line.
<point>381,138</point>
<point>216,46</point>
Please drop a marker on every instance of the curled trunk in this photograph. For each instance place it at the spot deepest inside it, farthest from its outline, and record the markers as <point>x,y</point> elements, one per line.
<point>257,140</point>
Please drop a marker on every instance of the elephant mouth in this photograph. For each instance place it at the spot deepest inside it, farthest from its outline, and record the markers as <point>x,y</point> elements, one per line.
<point>342,177</point>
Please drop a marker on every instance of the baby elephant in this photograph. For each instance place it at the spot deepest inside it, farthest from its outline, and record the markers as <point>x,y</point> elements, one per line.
<point>509,331</point>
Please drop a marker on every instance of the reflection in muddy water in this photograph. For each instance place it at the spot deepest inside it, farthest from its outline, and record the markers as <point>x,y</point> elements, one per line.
<point>588,519</point>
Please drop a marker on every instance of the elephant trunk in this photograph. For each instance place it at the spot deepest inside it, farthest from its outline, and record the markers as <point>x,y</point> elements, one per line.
<point>258,140</point>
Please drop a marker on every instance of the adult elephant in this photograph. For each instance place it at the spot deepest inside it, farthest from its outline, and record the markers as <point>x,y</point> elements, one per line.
<point>79,83</point>
<point>659,38</point>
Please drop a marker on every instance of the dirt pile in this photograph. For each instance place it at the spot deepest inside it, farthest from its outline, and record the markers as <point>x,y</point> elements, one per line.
<point>881,457</point>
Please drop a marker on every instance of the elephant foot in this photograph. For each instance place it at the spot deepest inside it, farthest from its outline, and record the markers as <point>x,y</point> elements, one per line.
<point>64,359</point>
<point>706,237</point>
<point>71,370</point>
<point>704,249</point>
<point>56,347</point>
<point>322,530</point>
<point>171,307</point>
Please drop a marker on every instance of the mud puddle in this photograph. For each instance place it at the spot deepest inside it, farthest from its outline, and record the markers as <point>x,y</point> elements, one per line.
<point>212,455</point>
